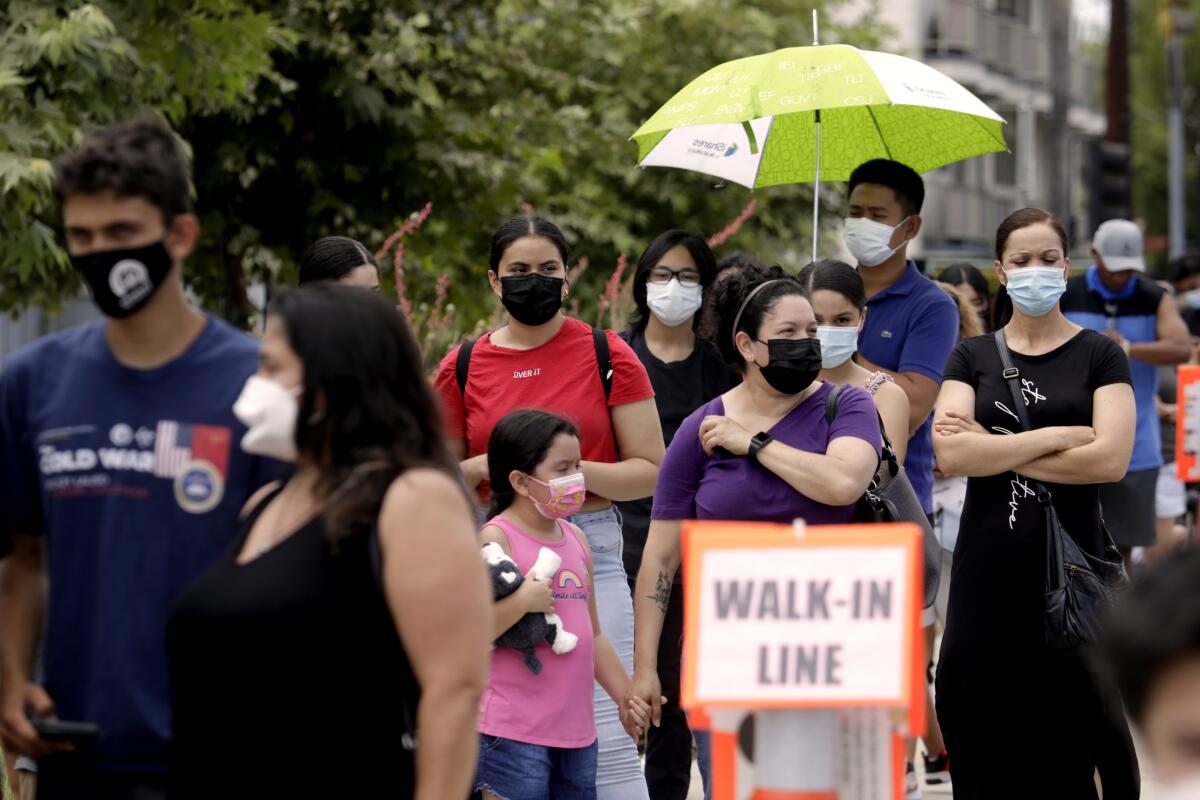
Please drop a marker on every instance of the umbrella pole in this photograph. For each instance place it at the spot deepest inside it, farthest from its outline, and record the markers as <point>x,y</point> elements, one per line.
<point>817,185</point>
<point>817,191</point>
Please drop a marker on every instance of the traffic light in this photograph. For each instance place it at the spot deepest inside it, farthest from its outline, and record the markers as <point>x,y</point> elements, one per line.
<point>1109,181</point>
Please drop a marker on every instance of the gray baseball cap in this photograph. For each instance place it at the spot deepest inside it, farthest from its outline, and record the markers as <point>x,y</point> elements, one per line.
<point>1119,243</point>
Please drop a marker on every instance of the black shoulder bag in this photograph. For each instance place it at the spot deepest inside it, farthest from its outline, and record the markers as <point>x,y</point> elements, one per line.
<point>890,498</point>
<point>1079,586</point>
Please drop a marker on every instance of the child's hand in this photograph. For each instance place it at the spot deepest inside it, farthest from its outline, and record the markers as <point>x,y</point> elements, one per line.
<point>536,597</point>
<point>635,716</point>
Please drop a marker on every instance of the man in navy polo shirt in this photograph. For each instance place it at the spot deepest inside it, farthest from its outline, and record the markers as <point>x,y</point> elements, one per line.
<point>911,324</point>
<point>123,474</point>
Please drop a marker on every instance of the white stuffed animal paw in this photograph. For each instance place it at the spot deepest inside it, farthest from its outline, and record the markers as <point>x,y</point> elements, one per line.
<point>546,565</point>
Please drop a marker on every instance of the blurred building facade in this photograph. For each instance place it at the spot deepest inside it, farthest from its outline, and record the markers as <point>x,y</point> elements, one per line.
<point>1000,50</point>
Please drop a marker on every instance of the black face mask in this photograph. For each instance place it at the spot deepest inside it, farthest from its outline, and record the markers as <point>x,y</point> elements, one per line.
<point>792,364</point>
<point>123,281</point>
<point>531,299</point>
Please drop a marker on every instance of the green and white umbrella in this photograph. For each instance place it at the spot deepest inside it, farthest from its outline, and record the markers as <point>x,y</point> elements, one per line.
<point>803,113</point>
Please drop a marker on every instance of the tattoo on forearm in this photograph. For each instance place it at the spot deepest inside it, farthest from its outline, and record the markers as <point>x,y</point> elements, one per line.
<point>662,591</point>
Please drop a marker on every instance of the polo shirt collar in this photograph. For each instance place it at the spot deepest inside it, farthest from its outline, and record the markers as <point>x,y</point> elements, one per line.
<point>903,287</point>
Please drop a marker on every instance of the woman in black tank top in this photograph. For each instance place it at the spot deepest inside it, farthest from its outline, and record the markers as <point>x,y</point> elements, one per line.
<point>346,624</point>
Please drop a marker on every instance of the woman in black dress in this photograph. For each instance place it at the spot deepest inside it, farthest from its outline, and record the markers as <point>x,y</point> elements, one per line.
<point>351,617</point>
<point>1003,696</point>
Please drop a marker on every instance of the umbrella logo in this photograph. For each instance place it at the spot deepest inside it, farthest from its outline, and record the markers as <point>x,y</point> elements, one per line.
<point>733,148</point>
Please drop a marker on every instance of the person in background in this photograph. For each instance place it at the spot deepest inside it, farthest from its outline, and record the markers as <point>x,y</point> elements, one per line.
<point>538,730</point>
<point>911,324</point>
<point>1170,493</point>
<point>949,495</point>
<point>544,359</point>
<point>122,478</point>
<point>1076,386</point>
<point>324,596</point>
<point>1151,651</point>
<point>686,371</point>
<point>1116,299</point>
<point>737,261</point>
<point>763,451</point>
<point>1185,275</point>
<point>341,259</point>
<point>839,300</point>
<point>973,286</point>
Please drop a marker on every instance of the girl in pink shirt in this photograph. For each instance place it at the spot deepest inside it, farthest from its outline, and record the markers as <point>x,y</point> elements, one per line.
<point>538,732</point>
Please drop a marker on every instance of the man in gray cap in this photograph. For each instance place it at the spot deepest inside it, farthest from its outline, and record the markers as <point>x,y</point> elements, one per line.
<point>1117,299</point>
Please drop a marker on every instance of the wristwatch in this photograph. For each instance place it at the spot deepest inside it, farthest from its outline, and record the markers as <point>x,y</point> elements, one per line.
<point>758,442</point>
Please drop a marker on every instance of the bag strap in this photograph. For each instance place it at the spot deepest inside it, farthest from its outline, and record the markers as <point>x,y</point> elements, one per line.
<point>831,405</point>
<point>886,453</point>
<point>1012,376</point>
<point>603,360</point>
<point>462,364</point>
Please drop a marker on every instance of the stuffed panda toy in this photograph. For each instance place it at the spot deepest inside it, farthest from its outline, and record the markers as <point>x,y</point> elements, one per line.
<point>532,629</point>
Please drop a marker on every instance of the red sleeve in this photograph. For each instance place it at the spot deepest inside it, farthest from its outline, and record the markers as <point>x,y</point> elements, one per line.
<point>454,415</point>
<point>630,381</point>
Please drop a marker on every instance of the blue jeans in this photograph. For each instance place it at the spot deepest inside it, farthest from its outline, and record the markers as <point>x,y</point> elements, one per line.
<point>704,760</point>
<point>618,771</point>
<point>514,770</point>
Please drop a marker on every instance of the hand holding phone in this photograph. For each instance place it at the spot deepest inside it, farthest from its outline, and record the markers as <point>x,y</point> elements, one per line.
<point>81,734</point>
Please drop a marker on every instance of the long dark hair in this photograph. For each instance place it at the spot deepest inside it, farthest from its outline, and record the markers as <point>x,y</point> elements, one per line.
<point>834,276</point>
<point>333,258</point>
<point>519,442</point>
<point>1022,218</point>
<point>367,413</point>
<point>697,246</point>
<point>520,227</point>
<point>728,296</point>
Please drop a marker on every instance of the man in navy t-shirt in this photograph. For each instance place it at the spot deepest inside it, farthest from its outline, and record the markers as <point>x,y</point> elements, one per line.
<point>911,324</point>
<point>123,475</point>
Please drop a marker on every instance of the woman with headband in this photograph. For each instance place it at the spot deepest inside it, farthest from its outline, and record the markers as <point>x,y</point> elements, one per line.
<point>763,451</point>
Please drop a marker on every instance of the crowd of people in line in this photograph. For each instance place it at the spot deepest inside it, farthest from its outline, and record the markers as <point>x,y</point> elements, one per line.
<point>241,567</point>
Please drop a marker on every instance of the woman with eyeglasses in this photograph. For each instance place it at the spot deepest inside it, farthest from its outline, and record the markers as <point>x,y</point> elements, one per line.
<point>686,370</point>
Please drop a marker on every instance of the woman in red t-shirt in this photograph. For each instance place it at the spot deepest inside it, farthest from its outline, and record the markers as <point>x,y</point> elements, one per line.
<point>545,359</point>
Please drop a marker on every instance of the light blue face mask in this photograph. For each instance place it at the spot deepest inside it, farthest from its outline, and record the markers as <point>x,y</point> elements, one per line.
<point>1036,290</point>
<point>837,345</point>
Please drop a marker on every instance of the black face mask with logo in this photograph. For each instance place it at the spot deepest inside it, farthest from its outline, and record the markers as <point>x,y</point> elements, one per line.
<point>531,299</point>
<point>123,281</point>
<point>792,364</point>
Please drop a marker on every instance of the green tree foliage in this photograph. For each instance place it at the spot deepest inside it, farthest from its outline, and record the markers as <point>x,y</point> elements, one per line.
<point>66,67</point>
<point>1148,104</point>
<point>344,116</point>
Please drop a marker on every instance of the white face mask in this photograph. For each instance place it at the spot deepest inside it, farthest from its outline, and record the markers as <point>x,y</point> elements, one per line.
<point>837,345</point>
<point>269,411</point>
<point>870,241</point>
<point>672,303</point>
<point>1190,299</point>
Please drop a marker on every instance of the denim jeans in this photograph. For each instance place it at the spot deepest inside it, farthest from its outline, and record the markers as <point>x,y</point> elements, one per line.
<point>618,771</point>
<point>514,770</point>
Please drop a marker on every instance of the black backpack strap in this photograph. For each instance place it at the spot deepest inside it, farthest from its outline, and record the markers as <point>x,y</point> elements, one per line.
<point>463,363</point>
<point>603,360</point>
<point>831,405</point>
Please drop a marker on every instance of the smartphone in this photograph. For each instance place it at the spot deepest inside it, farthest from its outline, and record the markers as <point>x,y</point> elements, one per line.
<point>61,730</point>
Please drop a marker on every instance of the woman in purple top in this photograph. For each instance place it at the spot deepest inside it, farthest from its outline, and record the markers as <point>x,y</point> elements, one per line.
<point>762,451</point>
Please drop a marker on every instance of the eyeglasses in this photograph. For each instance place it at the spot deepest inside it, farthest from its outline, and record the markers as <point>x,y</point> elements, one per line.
<point>686,277</point>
